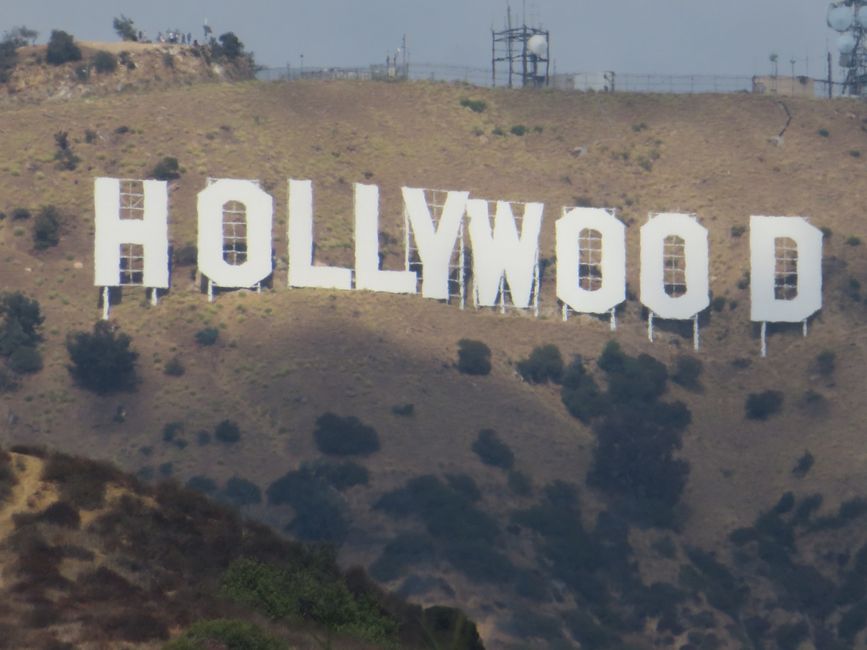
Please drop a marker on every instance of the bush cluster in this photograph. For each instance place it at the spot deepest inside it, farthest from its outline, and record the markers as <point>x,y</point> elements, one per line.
<point>207,336</point>
<point>104,62</point>
<point>458,530</point>
<point>102,360</point>
<point>20,333</point>
<point>226,633</point>
<point>320,512</point>
<point>46,228</point>
<point>228,432</point>
<point>306,593</point>
<point>166,169</point>
<point>61,48</point>
<point>636,433</point>
<point>761,406</point>
<point>544,364</point>
<point>493,451</point>
<point>474,357</point>
<point>475,105</point>
<point>344,436</point>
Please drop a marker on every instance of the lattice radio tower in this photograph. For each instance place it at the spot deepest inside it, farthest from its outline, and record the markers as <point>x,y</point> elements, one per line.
<point>520,52</point>
<point>849,18</point>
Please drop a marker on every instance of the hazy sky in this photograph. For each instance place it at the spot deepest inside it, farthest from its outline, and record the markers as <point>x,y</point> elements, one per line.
<point>664,36</point>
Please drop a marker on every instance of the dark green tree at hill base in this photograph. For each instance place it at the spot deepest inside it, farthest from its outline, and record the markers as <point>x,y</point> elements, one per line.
<point>102,361</point>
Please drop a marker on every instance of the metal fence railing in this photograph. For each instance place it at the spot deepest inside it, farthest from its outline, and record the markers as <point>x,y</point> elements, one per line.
<point>578,81</point>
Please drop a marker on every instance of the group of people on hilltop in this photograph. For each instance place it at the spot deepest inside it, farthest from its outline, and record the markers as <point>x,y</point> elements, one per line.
<point>176,37</point>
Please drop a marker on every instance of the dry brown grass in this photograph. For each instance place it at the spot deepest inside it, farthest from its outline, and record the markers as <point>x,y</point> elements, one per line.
<point>291,355</point>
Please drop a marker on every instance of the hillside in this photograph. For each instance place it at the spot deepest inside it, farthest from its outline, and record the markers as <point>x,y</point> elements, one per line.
<point>93,559</point>
<point>286,357</point>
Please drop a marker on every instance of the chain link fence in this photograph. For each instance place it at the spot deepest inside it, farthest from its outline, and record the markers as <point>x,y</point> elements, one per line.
<point>608,81</point>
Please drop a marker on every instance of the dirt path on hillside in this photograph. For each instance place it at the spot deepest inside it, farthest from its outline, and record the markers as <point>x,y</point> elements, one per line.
<point>27,495</point>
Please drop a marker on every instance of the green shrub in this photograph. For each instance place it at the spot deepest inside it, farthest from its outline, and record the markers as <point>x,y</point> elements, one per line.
<point>228,46</point>
<point>520,484</point>
<point>447,513</point>
<point>480,562</point>
<point>25,360</point>
<point>320,513</point>
<point>404,551</point>
<point>61,48</point>
<point>202,484</point>
<point>104,62</point>
<point>580,394</point>
<point>19,214</point>
<point>344,436</point>
<point>826,362</point>
<point>166,169</point>
<point>493,451</point>
<point>475,105</point>
<point>853,241</point>
<point>342,476</point>
<point>687,370</point>
<point>632,379</point>
<point>227,432</point>
<point>241,492</point>
<point>825,133</point>
<point>307,593</point>
<point>228,634</point>
<point>174,367</point>
<point>403,410</point>
<point>804,464</point>
<point>207,336</point>
<point>474,357</point>
<point>790,635</point>
<point>46,228</point>
<point>760,406</point>
<point>518,129</point>
<point>65,156</point>
<point>185,255</point>
<point>21,322</point>
<point>543,365</point>
<point>465,485</point>
<point>102,360</point>
<point>171,430</point>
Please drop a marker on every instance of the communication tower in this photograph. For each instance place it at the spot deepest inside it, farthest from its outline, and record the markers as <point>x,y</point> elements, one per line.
<point>849,19</point>
<point>520,52</point>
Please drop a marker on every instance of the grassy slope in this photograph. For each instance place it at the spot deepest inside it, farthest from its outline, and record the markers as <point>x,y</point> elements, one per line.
<point>287,356</point>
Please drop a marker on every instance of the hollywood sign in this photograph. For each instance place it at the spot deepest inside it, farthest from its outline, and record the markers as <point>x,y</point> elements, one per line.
<point>235,251</point>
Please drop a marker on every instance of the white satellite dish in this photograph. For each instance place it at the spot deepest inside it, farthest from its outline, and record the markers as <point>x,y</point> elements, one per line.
<point>846,43</point>
<point>840,17</point>
<point>538,45</point>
